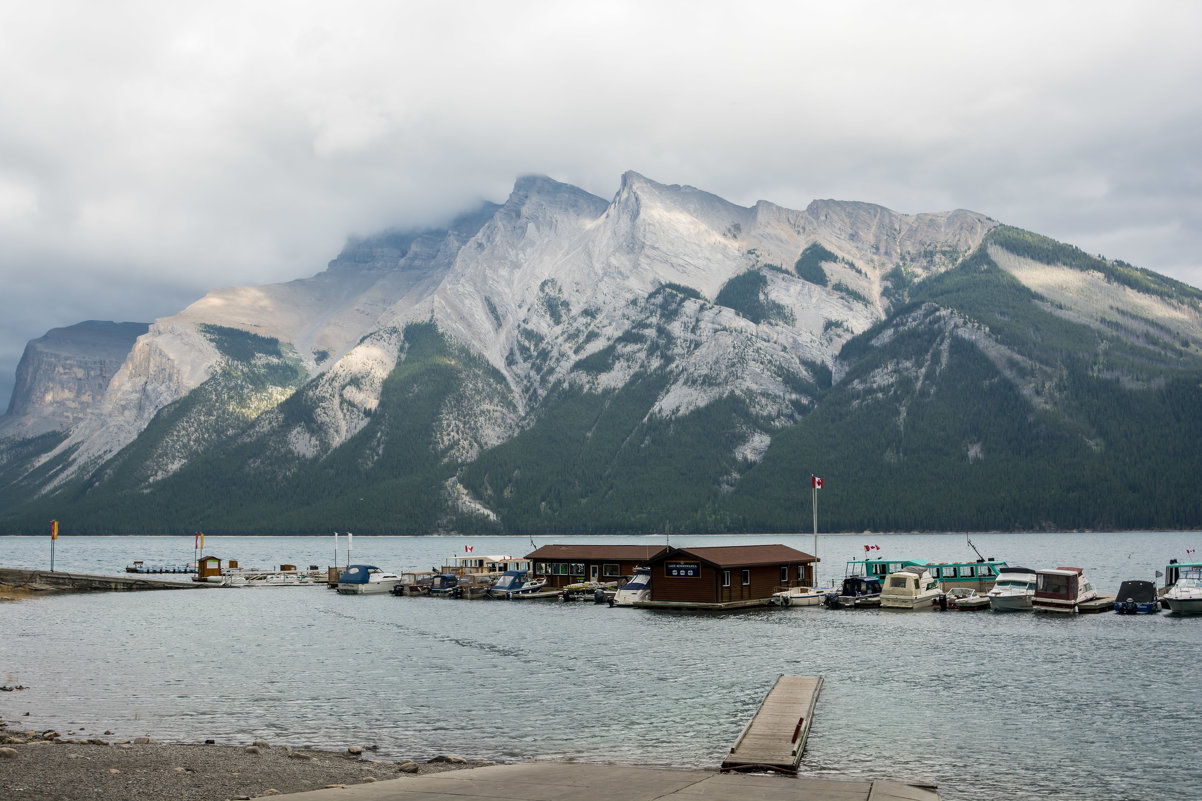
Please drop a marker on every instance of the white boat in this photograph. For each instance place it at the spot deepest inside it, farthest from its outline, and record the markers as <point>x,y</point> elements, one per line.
<point>365,579</point>
<point>636,590</point>
<point>910,588</point>
<point>798,596</point>
<point>1013,590</point>
<point>1185,597</point>
<point>1061,590</point>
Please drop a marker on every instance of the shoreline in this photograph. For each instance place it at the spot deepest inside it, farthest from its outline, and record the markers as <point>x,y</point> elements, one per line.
<point>48,766</point>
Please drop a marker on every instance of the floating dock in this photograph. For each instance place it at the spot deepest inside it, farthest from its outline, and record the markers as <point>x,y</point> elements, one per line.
<point>776,736</point>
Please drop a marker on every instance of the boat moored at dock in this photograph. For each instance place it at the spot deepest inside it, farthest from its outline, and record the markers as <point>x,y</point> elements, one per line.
<point>856,592</point>
<point>637,589</point>
<point>1137,597</point>
<point>909,588</point>
<point>1013,590</point>
<point>1185,596</point>
<point>515,582</point>
<point>1062,590</point>
<point>366,579</point>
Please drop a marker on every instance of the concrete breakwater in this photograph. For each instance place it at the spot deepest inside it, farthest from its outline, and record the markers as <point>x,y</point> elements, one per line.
<point>57,581</point>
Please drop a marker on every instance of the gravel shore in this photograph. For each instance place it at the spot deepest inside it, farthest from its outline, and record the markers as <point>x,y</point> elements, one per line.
<point>43,766</point>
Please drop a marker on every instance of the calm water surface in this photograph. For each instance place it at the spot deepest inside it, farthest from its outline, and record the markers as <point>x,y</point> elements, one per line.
<point>985,705</point>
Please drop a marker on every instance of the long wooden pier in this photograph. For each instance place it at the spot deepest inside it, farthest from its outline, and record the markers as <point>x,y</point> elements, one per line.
<point>776,735</point>
<point>82,582</point>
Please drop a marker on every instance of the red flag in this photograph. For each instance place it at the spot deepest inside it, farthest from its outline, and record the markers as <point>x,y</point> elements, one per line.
<point>468,548</point>
<point>54,529</point>
<point>815,482</point>
<point>867,548</point>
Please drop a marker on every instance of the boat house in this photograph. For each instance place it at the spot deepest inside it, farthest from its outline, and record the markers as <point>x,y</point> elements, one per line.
<point>562,565</point>
<point>726,576</point>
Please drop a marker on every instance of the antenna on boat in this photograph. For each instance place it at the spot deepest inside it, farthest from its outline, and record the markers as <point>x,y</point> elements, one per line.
<point>970,545</point>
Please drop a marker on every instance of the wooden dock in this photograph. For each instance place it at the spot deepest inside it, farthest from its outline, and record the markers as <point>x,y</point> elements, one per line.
<point>57,581</point>
<point>776,735</point>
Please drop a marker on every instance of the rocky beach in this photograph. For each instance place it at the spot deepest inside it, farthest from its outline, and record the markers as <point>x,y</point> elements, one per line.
<point>49,766</point>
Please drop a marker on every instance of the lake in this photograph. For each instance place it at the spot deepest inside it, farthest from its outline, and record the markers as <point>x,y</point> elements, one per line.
<point>985,705</point>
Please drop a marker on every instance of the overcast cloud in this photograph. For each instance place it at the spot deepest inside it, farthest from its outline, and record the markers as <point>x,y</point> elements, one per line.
<point>151,151</point>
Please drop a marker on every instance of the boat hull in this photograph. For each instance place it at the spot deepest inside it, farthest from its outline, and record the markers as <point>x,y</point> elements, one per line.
<point>1010,603</point>
<point>1185,606</point>
<point>925,600</point>
<point>370,588</point>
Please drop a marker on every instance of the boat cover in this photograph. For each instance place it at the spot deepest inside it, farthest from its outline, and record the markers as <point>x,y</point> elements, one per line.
<point>356,574</point>
<point>1141,592</point>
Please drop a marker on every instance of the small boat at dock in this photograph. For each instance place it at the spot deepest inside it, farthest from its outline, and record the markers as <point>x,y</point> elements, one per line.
<point>1061,590</point>
<point>1013,590</point>
<point>515,582</point>
<point>635,590</point>
<point>856,592</point>
<point>909,588</point>
<point>365,580</point>
<point>1185,596</point>
<point>1137,597</point>
<point>798,596</point>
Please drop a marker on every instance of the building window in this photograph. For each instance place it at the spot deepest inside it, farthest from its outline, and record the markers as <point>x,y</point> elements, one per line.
<point>746,577</point>
<point>725,578</point>
<point>801,572</point>
<point>540,569</point>
<point>611,570</point>
<point>784,574</point>
<point>578,568</point>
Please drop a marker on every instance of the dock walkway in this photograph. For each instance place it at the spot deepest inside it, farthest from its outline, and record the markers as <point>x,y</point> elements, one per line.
<point>83,582</point>
<point>776,736</point>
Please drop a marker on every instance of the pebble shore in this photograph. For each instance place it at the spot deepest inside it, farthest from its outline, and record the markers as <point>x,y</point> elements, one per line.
<point>47,766</point>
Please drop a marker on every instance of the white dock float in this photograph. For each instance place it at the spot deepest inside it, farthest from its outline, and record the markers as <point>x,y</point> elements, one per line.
<point>776,736</point>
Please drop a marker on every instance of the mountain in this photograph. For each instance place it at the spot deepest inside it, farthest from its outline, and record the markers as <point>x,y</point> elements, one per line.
<point>665,360</point>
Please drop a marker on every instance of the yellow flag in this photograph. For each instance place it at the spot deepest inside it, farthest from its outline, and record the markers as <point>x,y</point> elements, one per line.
<point>54,529</point>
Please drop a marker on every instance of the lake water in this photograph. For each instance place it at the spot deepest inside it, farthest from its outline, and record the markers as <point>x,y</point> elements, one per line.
<point>985,705</point>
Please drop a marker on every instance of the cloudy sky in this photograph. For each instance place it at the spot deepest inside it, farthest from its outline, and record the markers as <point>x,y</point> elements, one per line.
<point>151,151</point>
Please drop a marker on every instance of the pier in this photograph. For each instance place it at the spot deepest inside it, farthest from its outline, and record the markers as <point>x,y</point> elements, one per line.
<point>57,581</point>
<point>776,736</point>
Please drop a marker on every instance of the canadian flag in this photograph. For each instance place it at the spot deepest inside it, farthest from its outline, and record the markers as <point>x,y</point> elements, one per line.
<point>815,482</point>
<point>868,548</point>
<point>468,548</point>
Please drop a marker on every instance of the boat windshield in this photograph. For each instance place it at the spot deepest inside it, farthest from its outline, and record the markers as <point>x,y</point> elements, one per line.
<point>508,580</point>
<point>640,581</point>
<point>1055,584</point>
<point>1018,584</point>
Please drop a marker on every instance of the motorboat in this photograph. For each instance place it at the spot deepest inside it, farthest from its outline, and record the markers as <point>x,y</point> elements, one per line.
<point>1185,596</point>
<point>446,585</point>
<point>366,579</point>
<point>515,582</point>
<point>798,596</point>
<point>963,599</point>
<point>909,588</point>
<point>1013,590</point>
<point>1172,572</point>
<point>1062,590</point>
<point>857,591</point>
<point>1137,598</point>
<point>635,590</point>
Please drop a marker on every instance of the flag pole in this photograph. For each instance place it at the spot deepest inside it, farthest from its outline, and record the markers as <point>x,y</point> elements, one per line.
<point>814,493</point>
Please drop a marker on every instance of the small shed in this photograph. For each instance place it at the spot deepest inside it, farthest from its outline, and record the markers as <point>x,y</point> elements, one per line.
<point>208,566</point>
<point>727,575</point>
<point>561,565</point>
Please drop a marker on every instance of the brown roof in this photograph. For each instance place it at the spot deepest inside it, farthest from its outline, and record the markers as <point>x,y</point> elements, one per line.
<point>742,555</point>
<point>586,553</point>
